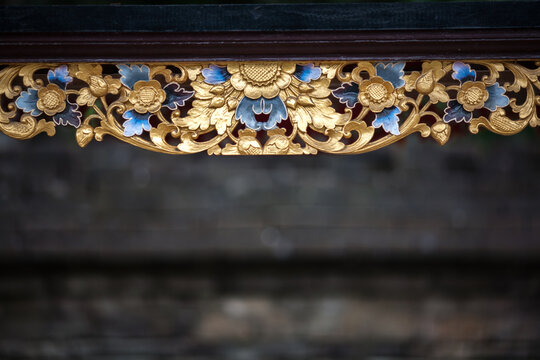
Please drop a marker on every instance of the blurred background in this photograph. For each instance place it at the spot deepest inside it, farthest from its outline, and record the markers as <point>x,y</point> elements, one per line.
<point>414,251</point>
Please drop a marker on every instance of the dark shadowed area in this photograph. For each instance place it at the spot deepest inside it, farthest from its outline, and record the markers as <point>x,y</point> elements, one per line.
<point>413,251</point>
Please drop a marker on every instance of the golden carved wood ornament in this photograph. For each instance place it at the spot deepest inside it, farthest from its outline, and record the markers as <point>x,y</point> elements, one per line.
<point>255,108</point>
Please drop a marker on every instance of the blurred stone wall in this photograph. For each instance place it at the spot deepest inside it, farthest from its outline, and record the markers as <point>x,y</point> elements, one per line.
<point>413,251</point>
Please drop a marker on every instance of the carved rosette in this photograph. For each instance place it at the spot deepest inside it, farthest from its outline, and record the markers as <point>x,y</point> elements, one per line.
<point>267,108</point>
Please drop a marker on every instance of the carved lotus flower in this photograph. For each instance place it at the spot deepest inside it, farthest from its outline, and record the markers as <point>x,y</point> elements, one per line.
<point>98,85</point>
<point>51,99</point>
<point>427,82</point>
<point>377,93</point>
<point>261,79</point>
<point>147,96</point>
<point>472,95</point>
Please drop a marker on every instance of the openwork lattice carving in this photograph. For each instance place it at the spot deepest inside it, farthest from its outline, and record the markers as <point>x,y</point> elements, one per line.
<point>268,108</point>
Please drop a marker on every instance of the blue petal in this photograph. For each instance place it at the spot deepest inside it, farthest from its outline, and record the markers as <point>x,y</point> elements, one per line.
<point>248,108</point>
<point>392,72</point>
<point>136,123</point>
<point>389,119</point>
<point>278,112</point>
<point>132,74</point>
<point>244,113</point>
<point>175,96</point>
<point>70,116</point>
<point>463,72</point>
<point>496,97</point>
<point>306,73</point>
<point>215,75</point>
<point>347,94</point>
<point>60,76</point>
<point>455,112</point>
<point>27,102</point>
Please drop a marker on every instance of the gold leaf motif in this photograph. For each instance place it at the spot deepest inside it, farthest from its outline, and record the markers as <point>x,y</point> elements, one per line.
<point>232,103</point>
<point>217,101</point>
<point>85,97</point>
<point>7,76</point>
<point>303,87</point>
<point>498,123</point>
<point>218,89</point>
<point>27,127</point>
<point>221,118</point>
<point>27,74</point>
<point>291,102</point>
<point>305,100</point>
<point>330,70</point>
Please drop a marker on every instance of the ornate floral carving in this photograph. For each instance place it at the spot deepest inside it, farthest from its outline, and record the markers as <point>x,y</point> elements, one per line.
<point>267,108</point>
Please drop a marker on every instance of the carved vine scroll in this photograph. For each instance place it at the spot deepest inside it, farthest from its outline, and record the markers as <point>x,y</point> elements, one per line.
<point>256,108</point>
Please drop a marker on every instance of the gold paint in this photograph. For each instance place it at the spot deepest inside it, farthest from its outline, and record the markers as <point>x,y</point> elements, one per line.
<point>260,74</point>
<point>51,100</point>
<point>472,95</point>
<point>147,96</point>
<point>311,107</point>
<point>377,94</point>
<point>84,135</point>
<point>425,83</point>
<point>440,131</point>
<point>261,79</point>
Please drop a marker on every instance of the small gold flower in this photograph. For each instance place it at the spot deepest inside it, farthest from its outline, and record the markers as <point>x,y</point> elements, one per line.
<point>261,79</point>
<point>472,95</point>
<point>147,96</point>
<point>377,93</point>
<point>51,99</point>
<point>98,85</point>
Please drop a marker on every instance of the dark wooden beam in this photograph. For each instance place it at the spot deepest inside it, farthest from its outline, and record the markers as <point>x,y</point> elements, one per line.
<point>476,30</point>
<point>369,45</point>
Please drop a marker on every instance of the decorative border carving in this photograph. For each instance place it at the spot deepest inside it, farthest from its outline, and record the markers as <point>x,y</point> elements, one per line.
<point>255,108</point>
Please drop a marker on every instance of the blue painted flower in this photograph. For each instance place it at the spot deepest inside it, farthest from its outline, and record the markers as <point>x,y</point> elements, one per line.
<point>136,123</point>
<point>306,73</point>
<point>472,95</point>
<point>147,97</point>
<point>379,93</point>
<point>175,96</point>
<point>261,85</point>
<point>248,108</point>
<point>388,119</point>
<point>347,94</point>
<point>52,99</point>
<point>215,75</point>
<point>133,73</point>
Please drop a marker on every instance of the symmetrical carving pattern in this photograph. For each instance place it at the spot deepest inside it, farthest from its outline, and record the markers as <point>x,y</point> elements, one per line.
<point>268,107</point>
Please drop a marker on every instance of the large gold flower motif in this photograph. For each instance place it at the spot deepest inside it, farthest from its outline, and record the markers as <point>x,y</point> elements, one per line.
<point>261,79</point>
<point>51,99</point>
<point>147,96</point>
<point>377,93</point>
<point>472,95</point>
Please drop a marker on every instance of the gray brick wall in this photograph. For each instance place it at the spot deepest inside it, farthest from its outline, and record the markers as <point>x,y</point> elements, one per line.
<point>412,251</point>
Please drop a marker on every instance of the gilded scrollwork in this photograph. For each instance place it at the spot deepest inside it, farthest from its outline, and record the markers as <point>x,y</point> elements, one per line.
<point>268,108</point>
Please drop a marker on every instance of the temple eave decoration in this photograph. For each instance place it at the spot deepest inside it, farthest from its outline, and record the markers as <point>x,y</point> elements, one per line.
<point>268,108</point>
